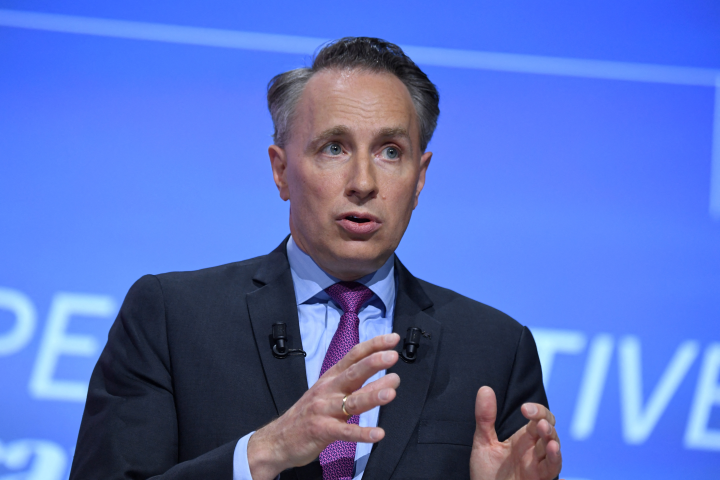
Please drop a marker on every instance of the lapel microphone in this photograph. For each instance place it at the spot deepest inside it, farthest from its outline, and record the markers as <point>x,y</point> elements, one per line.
<point>280,342</point>
<point>412,344</point>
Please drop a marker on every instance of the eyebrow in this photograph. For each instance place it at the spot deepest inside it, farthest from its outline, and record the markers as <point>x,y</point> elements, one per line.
<point>340,130</point>
<point>335,131</point>
<point>393,132</point>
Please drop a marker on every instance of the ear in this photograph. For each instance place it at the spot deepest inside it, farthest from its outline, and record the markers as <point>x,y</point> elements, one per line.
<point>424,164</point>
<point>278,161</point>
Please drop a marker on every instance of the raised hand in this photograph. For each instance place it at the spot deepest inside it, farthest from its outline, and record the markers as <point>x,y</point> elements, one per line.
<point>532,453</point>
<point>298,436</point>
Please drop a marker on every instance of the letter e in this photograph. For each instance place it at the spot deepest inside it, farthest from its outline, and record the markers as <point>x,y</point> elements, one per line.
<point>57,342</point>
<point>707,395</point>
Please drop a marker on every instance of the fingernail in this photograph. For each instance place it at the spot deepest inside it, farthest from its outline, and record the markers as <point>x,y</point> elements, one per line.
<point>387,356</point>
<point>374,434</point>
<point>531,409</point>
<point>390,338</point>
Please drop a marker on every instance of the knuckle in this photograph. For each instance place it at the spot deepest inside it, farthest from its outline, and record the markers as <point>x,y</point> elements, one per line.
<point>315,429</point>
<point>377,361</point>
<point>314,407</point>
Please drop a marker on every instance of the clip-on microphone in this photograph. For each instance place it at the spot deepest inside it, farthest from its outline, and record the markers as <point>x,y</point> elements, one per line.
<point>280,342</point>
<point>411,344</point>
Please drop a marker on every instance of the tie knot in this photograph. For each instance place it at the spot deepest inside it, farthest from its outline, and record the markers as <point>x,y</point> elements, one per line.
<point>349,295</point>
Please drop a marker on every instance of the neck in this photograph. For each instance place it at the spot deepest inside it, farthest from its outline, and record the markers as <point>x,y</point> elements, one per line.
<point>344,275</point>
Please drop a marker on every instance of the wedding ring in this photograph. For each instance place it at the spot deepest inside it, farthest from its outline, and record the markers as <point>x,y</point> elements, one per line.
<point>343,406</point>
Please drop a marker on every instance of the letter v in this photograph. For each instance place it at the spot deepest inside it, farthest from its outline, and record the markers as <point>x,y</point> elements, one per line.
<point>638,423</point>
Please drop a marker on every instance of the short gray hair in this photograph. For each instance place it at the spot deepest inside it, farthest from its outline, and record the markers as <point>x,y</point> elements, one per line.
<point>364,53</point>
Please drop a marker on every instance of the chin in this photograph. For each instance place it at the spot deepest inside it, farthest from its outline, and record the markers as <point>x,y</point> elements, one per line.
<point>360,256</point>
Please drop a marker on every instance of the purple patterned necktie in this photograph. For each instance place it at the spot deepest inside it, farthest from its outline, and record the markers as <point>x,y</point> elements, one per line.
<point>338,458</point>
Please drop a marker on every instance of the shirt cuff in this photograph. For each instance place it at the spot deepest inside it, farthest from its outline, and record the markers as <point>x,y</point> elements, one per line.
<point>241,465</point>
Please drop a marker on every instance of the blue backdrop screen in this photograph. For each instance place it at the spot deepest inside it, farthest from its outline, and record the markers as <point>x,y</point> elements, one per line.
<point>575,185</point>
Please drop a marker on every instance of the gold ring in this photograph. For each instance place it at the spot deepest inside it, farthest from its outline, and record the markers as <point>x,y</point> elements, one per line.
<point>343,406</point>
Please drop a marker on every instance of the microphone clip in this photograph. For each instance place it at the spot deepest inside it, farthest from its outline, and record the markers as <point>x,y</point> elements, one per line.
<point>412,344</point>
<point>280,343</point>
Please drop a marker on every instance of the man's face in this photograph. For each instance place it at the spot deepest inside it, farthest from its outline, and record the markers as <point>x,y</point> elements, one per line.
<point>352,169</point>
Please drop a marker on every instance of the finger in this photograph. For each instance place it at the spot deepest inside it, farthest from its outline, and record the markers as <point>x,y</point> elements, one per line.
<point>532,429</point>
<point>553,454</point>
<point>365,349</point>
<point>536,411</point>
<point>551,465</point>
<point>391,380</point>
<point>485,414</point>
<point>354,376</point>
<point>356,407</point>
<point>540,450</point>
<point>353,433</point>
<point>547,432</point>
<point>358,403</point>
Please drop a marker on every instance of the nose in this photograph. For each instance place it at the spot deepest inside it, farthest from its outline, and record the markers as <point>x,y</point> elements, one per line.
<point>362,181</point>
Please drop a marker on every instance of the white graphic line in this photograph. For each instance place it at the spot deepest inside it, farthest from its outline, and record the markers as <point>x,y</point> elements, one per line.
<point>158,32</point>
<point>715,166</point>
<point>442,57</point>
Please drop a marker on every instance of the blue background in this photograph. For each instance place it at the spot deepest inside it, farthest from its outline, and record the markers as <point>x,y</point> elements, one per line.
<point>579,206</point>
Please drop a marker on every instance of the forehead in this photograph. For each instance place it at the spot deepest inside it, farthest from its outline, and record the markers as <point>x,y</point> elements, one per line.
<point>360,100</point>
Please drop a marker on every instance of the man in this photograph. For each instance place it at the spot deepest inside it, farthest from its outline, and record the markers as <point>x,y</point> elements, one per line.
<point>188,385</point>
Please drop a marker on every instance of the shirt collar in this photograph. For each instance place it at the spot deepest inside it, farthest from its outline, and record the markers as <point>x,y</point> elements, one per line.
<point>310,280</point>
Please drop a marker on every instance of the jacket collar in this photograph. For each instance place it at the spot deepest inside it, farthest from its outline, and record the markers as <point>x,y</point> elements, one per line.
<point>401,416</point>
<point>272,302</point>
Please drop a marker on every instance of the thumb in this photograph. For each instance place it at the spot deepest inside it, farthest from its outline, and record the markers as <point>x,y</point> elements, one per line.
<point>485,413</point>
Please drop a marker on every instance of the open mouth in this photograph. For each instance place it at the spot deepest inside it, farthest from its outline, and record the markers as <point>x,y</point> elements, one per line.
<point>355,219</point>
<point>359,223</point>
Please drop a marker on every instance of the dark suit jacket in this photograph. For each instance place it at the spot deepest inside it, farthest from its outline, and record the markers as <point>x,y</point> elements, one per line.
<point>188,370</point>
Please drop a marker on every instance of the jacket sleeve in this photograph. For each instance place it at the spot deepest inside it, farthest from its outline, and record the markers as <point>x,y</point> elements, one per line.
<point>525,385</point>
<point>129,428</point>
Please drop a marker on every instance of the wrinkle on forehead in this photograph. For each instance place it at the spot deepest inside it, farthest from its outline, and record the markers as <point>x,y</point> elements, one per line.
<point>379,103</point>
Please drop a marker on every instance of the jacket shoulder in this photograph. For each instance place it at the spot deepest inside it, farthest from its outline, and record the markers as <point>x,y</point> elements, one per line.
<point>211,279</point>
<point>454,309</point>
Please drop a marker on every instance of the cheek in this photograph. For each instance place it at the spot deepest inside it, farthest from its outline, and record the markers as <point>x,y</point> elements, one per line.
<point>399,200</point>
<point>400,191</point>
<point>314,190</point>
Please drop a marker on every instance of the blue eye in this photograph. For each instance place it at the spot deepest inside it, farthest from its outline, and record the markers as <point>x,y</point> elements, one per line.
<point>333,149</point>
<point>392,153</point>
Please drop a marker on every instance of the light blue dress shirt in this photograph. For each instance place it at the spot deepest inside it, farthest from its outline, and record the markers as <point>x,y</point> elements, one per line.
<point>319,317</point>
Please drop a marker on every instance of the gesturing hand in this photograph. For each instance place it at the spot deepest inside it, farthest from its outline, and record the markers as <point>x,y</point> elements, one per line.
<point>298,436</point>
<point>532,453</point>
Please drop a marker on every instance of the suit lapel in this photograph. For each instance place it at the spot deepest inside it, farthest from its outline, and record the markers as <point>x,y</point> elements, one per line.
<point>400,417</point>
<point>275,302</point>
